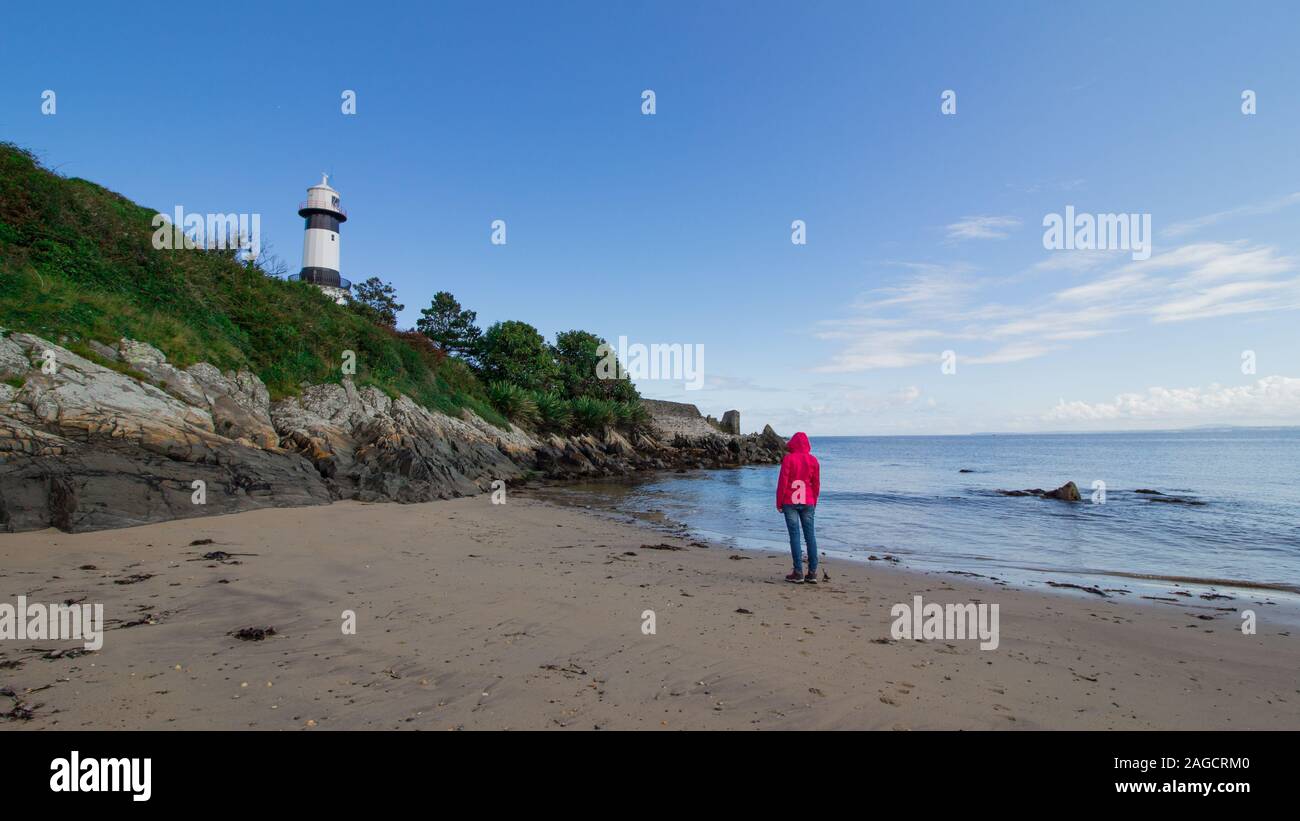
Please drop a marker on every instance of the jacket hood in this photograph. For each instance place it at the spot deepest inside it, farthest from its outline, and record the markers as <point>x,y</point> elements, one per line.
<point>799,443</point>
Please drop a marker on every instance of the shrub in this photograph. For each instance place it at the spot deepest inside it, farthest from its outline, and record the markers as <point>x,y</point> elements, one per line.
<point>592,415</point>
<point>553,412</point>
<point>631,415</point>
<point>515,352</point>
<point>515,403</point>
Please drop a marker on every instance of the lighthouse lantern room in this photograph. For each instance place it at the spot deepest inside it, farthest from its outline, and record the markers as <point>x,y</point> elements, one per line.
<point>320,246</point>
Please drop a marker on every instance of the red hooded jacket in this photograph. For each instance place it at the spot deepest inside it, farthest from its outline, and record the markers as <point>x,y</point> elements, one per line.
<point>799,465</point>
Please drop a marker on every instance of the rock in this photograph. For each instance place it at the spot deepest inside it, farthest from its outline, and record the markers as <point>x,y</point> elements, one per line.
<point>1068,492</point>
<point>370,447</point>
<point>252,633</point>
<point>87,447</point>
<point>239,403</point>
<point>139,353</point>
<point>770,440</point>
<point>13,359</point>
<point>103,350</point>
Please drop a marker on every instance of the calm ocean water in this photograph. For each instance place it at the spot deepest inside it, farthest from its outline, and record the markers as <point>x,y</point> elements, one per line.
<point>905,496</point>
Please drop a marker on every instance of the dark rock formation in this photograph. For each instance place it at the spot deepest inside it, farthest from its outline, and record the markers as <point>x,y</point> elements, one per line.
<point>1176,500</point>
<point>1068,492</point>
<point>87,447</point>
<point>771,441</point>
<point>1157,496</point>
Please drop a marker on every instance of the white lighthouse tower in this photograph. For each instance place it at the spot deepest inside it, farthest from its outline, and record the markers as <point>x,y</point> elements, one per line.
<point>320,245</point>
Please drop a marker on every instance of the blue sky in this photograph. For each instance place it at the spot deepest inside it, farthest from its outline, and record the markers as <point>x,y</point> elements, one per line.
<point>924,230</point>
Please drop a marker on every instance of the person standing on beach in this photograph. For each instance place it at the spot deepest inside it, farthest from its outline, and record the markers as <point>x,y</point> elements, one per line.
<point>796,497</point>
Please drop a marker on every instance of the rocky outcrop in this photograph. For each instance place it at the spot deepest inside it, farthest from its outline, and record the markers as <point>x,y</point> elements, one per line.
<point>1068,492</point>
<point>85,446</point>
<point>370,447</point>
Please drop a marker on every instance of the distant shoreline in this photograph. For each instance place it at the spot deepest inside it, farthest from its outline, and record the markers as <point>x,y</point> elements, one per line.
<point>1126,431</point>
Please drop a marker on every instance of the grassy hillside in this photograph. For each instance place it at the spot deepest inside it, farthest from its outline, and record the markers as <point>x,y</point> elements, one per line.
<point>77,261</point>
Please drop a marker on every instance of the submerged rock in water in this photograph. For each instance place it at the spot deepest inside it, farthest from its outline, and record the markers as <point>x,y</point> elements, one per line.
<point>1157,496</point>
<point>1068,492</point>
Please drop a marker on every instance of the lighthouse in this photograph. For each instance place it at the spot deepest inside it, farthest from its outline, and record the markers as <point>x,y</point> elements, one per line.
<point>320,245</point>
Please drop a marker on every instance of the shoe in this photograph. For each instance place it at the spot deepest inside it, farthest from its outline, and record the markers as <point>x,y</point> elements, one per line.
<point>794,578</point>
<point>811,578</point>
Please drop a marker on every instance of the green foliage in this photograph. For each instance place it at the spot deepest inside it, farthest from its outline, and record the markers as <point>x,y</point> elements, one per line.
<point>585,369</point>
<point>515,352</point>
<point>451,327</point>
<point>514,403</point>
<point>591,415</point>
<point>631,415</point>
<point>553,412</point>
<point>376,301</point>
<point>78,260</point>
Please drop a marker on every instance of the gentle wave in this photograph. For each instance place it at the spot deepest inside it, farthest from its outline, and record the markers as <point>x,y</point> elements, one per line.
<point>907,497</point>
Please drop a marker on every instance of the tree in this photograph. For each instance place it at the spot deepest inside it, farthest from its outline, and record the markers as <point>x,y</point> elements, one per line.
<point>577,356</point>
<point>376,301</point>
<point>515,352</point>
<point>451,327</point>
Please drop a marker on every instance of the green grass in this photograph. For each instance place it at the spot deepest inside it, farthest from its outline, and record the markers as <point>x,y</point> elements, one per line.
<point>77,261</point>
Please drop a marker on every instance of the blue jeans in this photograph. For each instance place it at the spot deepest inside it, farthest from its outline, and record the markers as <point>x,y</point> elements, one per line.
<point>797,516</point>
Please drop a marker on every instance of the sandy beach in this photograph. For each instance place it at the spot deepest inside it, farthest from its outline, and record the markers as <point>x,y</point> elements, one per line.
<point>529,615</point>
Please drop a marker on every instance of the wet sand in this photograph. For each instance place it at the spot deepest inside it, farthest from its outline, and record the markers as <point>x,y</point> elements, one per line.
<point>529,615</point>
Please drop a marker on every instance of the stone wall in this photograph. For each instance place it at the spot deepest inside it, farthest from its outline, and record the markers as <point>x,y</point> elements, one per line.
<point>681,418</point>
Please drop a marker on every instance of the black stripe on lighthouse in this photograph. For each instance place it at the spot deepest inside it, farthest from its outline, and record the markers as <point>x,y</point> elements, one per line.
<point>328,222</point>
<point>320,276</point>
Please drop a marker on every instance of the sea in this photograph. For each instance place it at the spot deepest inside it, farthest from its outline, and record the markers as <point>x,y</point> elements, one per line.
<point>1227,517</point>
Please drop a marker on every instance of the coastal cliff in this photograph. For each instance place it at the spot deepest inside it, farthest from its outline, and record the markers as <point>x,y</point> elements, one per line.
<point>130,439</point>
<point>239,399</point>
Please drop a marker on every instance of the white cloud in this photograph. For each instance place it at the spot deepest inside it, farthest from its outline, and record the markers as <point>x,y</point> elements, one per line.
<point>938,307</point>
<point>836,403</point>
<point>928,284</point>
<point>719,382</point>
<point>1213,261</point>
<point>1102,288</point>
<point>1179,229</point>
<point>1015,352</point>
<point>1233,298</point>
<point>1075,260</point>
<point>1272,399</point>
<point>987,227</point>
<point>881,349</point>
